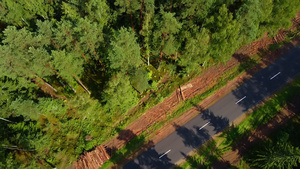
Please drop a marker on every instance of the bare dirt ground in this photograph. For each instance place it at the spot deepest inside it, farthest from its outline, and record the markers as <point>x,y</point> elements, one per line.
<point>196,86</point>
<point>233,157</point>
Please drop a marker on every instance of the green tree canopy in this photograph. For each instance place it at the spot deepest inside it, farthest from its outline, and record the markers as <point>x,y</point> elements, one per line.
<point>21,13</point>
<point>224,34</point>
<point>197,47</point>
<point>281,155</point>
<point>119,94</point>
<point>124,53</point>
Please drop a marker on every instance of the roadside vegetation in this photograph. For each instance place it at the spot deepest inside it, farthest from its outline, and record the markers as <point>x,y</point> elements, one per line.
<point>224,142</point>
<point>72,70</point>
<point>281,150</point>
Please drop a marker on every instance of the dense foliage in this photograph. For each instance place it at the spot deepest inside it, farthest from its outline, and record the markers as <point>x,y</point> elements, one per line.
<point>281,150</point>
<point>97,58</point>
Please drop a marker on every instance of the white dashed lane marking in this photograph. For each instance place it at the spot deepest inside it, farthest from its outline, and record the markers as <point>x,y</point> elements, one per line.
<point>164,154</point>
<point>275,76</point>
<point>240,100</point>
<point>204,125</point>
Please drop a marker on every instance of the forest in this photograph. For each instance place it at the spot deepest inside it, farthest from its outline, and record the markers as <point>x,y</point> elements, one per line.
<point>70,68</point>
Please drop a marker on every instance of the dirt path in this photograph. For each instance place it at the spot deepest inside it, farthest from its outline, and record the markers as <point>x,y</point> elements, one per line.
<point>196,86</point>
<point>233,156</point>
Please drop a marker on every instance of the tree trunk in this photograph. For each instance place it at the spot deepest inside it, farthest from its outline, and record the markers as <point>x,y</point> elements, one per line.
<point>46,83</point>
<point>171,6</point>
<point>15,148</point>
<point>6,120</point>
<point>190,18</point>
<point>51,86</point>
<point>183,98</point>
<point>82,85</point>
<point>34,75</point>
<point>88,63</point>
<point>62,83</point>
<point>179,5</point>
<point>55,44</point>
<point>75,45</point>
<point>101,64</point>
<point>141,15</point>
<point>85,58</point>
<point>39,78</point>
<point>95,53</point>
<point>131,21</point>
<point>161,52</point>
<point>56,72</point>
<point>66,83</point>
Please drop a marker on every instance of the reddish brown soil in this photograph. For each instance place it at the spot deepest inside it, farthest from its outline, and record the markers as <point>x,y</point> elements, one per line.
<point>195,87</point>
<point>233,156</point>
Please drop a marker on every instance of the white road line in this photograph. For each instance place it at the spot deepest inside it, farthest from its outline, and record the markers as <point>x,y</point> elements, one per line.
<point>164,154</point>
<point>274,76</point>
<point>240,100</point>
<point>204,125</point>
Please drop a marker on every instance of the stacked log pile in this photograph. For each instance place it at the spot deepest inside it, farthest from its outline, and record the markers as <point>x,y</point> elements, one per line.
<point>93,159</point>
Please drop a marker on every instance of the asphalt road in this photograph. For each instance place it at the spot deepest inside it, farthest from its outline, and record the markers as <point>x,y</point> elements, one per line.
<point>217,117</point>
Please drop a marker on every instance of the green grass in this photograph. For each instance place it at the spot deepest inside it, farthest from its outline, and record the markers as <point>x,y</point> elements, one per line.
<point>275,46</point>
<point>121,154</point>
<point>260,116</point>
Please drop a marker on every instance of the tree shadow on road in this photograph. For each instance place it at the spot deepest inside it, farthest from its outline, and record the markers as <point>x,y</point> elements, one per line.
<point>190,137</point>
<point>219,123</point>
<point>150,160</point>
<point>136,145</point>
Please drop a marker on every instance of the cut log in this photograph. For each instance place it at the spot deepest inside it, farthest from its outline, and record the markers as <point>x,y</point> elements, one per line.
<point>82,84</point>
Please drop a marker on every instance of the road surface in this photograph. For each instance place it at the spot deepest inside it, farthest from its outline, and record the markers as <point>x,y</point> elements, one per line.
<point>217,117</point>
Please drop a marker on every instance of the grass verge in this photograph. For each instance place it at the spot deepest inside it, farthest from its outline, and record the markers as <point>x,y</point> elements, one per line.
<point>234,133</point>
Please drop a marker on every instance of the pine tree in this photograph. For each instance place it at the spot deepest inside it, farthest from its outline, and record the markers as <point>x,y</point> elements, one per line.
<point>140,80</point>
<point>196,50</point>
<point>281,14</point>
<point>119,95</point>
<point>281,155</point>
<point>125,51</point>
<point>67,64</point>
<point>20,13</point>
<point>249,16</point>
<point>147,26</point>
<point>129,7</point>
<point>27,55</point>
<point>89,37</point>
<point>98,10</point>
<point>166,27</point>
<point>70,9</point>
<point>195,10</point>
<point>224,34</point>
